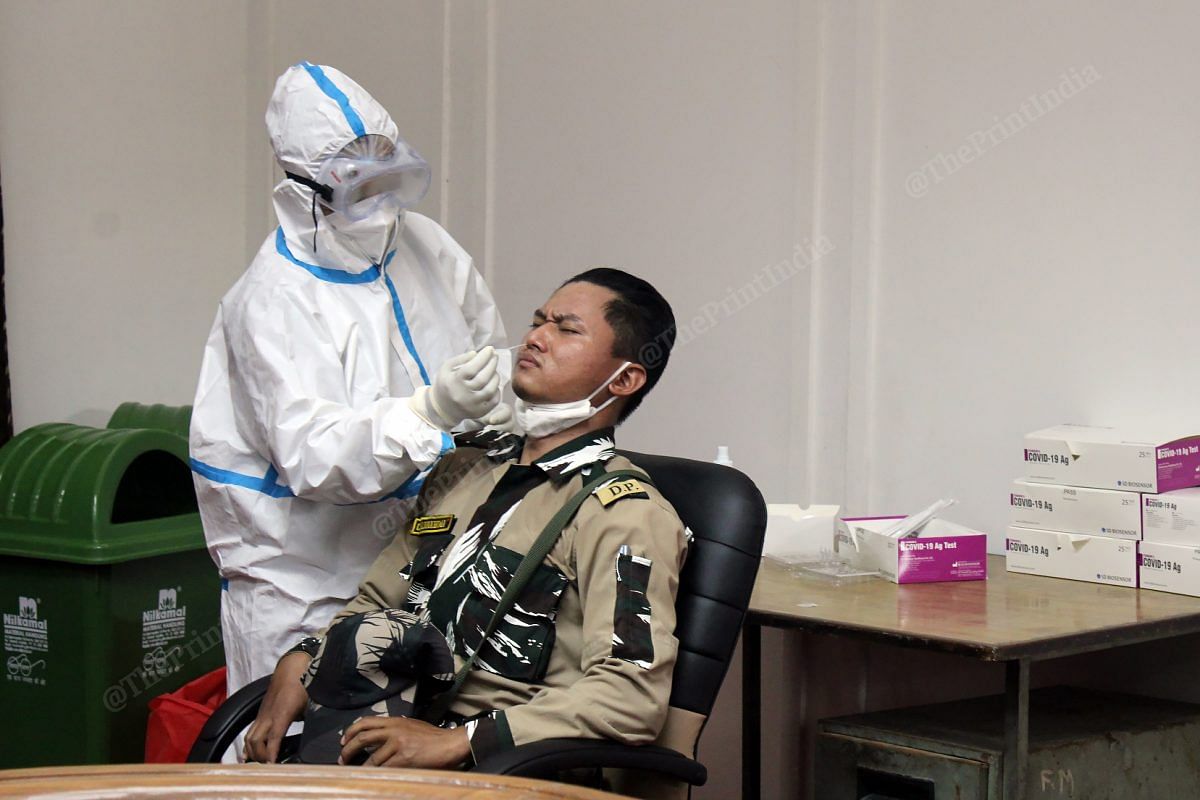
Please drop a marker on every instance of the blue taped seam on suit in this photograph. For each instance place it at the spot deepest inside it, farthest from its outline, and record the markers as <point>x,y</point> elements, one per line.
<point>398,310</point>
<point>410,488</point>
<point>324,273</point>
<point>266,484</point>
<point>330,88</point>
<point>269,486</point>
<point>366,276</point>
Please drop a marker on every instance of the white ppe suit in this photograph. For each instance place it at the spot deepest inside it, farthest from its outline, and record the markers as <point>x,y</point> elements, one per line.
<point>304,449</point>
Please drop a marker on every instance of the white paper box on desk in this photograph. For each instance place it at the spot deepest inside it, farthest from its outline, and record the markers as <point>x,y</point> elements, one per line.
<point>1169,568</point>
<point>797,535</point>
<point>1075,509</point>
<point>1172,518</point>
<point>1076,556</point>
<point>1108,458</point>
<point>944,551</point>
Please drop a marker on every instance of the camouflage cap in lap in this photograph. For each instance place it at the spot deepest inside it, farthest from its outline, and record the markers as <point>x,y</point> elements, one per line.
<point>381,663</point>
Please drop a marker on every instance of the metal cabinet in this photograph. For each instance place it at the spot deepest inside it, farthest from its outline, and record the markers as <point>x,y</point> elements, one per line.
<point>1082,744</point>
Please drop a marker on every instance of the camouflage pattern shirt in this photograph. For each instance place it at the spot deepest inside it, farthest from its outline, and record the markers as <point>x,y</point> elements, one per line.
<point>588,650</point>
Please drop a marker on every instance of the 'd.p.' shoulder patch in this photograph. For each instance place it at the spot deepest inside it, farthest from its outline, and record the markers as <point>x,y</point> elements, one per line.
<point>438,523</point>
<point>610,493</point>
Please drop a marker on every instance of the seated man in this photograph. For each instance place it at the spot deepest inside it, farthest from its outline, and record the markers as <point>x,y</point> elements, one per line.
<point>589,649</point>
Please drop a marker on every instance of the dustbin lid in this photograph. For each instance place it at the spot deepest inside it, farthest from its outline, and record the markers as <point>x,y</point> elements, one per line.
<point>96,496</point>
<point>175,419</point>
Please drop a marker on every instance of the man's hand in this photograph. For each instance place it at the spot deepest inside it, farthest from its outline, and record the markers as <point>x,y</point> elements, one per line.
<point>283,705</point>
<point>404,742</point>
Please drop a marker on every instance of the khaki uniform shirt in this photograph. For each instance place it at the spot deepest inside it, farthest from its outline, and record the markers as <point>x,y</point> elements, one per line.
<point>588,649</point>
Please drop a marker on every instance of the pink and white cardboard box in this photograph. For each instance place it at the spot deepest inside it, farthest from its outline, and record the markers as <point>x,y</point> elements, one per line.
<point>944,551</point>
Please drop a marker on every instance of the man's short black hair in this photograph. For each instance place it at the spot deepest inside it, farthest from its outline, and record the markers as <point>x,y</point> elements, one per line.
<point>642,322</point>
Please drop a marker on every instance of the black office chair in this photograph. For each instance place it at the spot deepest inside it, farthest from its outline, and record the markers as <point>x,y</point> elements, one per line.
<point>727,516</point>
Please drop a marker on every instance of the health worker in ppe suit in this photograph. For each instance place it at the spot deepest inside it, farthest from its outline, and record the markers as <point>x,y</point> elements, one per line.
<point>335,370</point>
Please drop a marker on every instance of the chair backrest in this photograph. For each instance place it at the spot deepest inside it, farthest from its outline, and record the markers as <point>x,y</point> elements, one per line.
<point>727,516</point>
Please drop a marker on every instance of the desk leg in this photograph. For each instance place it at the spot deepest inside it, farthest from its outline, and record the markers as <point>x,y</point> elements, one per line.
<point>1016,728</point>
<point>751,711</point>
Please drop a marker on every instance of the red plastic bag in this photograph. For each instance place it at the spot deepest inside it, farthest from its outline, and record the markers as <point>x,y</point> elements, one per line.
<point>177,717</point>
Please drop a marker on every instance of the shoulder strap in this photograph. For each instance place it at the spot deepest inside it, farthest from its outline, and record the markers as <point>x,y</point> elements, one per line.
<point>529,564</point>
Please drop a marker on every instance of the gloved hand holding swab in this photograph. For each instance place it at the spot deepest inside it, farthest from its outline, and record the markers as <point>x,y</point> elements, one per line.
<point>457,367</point>
<point>466,387</point>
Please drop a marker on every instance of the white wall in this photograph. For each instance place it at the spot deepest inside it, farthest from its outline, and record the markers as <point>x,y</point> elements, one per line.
<point>122,150</point>
<point>1049,273</point>
<point>1029,274</point>
<point>667,143</point>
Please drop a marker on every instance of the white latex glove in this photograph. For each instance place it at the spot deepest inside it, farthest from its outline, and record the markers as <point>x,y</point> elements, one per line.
<point>466,387</point>
<point>500,418</point>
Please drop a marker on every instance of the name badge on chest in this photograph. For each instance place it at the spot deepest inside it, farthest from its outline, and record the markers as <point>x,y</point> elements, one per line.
<point>438,523</point>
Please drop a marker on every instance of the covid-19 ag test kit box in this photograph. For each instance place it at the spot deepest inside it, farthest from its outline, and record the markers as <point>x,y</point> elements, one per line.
<point>1075,509</point>
<point>1172,518</point>
<point>1108,458</point>
<point>1169,568</point>
<point>944,551</point>
<point>1077,556</point>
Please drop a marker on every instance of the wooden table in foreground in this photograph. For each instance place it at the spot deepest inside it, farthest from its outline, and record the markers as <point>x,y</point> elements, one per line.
<point>275,782</point>
<point>1009,618</point>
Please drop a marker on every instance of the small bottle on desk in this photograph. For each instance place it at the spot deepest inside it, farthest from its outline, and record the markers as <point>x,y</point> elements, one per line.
<point>723,456</point>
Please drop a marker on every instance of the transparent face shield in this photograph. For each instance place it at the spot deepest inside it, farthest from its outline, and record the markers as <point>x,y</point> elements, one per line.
<point>371,172</point>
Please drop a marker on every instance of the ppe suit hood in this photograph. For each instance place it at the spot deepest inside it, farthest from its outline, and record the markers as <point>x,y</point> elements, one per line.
<point>315,111</point>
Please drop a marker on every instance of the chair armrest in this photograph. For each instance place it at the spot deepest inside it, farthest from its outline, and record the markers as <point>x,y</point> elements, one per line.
<point>545,758</point>
<point>231,718</point>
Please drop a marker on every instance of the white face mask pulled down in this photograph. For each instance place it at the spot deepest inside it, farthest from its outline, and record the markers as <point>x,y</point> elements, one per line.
<point>546,419</point>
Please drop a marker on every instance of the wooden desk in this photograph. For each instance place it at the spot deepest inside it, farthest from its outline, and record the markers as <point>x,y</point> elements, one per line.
<point>1009,618</point>
<point>276,782</point>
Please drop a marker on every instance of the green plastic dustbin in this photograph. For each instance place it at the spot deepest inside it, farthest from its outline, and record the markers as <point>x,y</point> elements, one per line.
<point>108,595</point>
<point>175,419</point>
